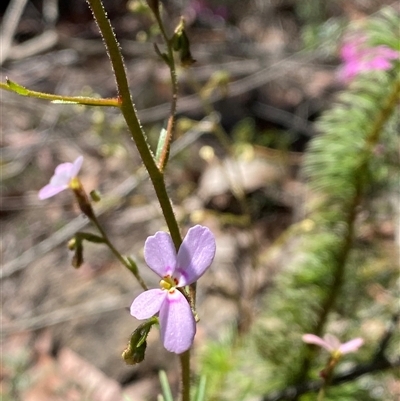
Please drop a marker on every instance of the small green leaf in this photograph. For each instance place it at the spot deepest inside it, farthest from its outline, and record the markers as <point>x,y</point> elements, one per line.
<point>132,265</point>
<point>201,389</point>
<point>17,88</point>
<point>166,389</point>
<point>161,143</point>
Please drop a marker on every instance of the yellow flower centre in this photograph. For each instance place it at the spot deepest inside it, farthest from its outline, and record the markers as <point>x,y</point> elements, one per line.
<point>336,355</point>
<point>75,183</point>
<point>168,283</point>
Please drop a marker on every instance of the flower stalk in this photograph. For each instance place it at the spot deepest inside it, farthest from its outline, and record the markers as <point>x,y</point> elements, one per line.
<point>66,177</point>
<point>170,61</point>
<point>87,209</point>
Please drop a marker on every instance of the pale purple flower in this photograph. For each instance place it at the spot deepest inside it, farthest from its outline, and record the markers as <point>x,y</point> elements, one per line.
<point>195,255</point>
<point>61,179</point>
<point>358,57</point>
<point>332,343</point>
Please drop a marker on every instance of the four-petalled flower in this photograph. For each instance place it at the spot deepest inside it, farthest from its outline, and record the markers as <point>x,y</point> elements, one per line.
<point>62,178</point>
<point>333,345</point>
<point>195,255</point>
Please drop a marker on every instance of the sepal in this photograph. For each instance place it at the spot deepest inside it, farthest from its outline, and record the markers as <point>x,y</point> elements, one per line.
<point>181,44</point>
<point>135,351</point>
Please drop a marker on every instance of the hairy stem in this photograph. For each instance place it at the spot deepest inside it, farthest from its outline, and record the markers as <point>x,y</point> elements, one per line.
<point>174,82</point>
<point>114,250</point>
<point>185,375</point>
<point>129,112</point>
<point>131,118</point>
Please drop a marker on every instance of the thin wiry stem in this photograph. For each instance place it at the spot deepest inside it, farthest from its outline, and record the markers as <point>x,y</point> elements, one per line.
<point>129,112</point>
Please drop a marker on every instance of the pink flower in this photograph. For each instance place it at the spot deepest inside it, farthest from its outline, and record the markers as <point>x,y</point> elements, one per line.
<point>63,175</point>
<point>358,58</point>
<point>195,255</point>
<point>333,345</point>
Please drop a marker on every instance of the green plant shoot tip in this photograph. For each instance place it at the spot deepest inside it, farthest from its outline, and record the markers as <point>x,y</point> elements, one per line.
<point>17,88</point>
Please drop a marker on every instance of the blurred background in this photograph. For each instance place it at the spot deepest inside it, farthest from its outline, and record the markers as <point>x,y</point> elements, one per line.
<point>265,71</point>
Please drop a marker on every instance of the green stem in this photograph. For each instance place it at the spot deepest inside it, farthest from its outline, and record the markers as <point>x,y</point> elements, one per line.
<point>185,375</point>
<point>328,374</point>
<point>84,100</point>
<point>129,112</point>
<point>86,208</point>
<point>174,82</point>
<point>185,357</point>
<point>114,250</point>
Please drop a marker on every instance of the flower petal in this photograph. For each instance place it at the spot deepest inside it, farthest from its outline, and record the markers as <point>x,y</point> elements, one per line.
<point>148,303</point>
<point>332,341</point>
<point>313,339</point>
<point>351,346</point>
<point>59,180</point>
<point>177,323</point>
<point>160,254</point>
<point>76,166</point>
<point>195,255</point>
<point>64,169</point>
<point>50,190</point>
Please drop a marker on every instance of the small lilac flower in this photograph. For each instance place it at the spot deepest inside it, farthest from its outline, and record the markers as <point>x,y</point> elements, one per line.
<point>63,175</point>
<point>195,255</point>
<point>333,345</point>
<point>358,58</point>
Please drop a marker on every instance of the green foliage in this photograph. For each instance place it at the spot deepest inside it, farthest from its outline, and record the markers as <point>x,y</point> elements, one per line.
<point>324,37</point>
<point>167,393</point>
<point>217,362</point>
<point>332,271</point>
<point>229,369</point>
<point>346,392</point>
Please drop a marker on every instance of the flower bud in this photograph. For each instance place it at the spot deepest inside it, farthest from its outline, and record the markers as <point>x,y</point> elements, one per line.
<point>135,351</point>
<point>95,196</point>
<point>132,356</point>
<point>181,44</point>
